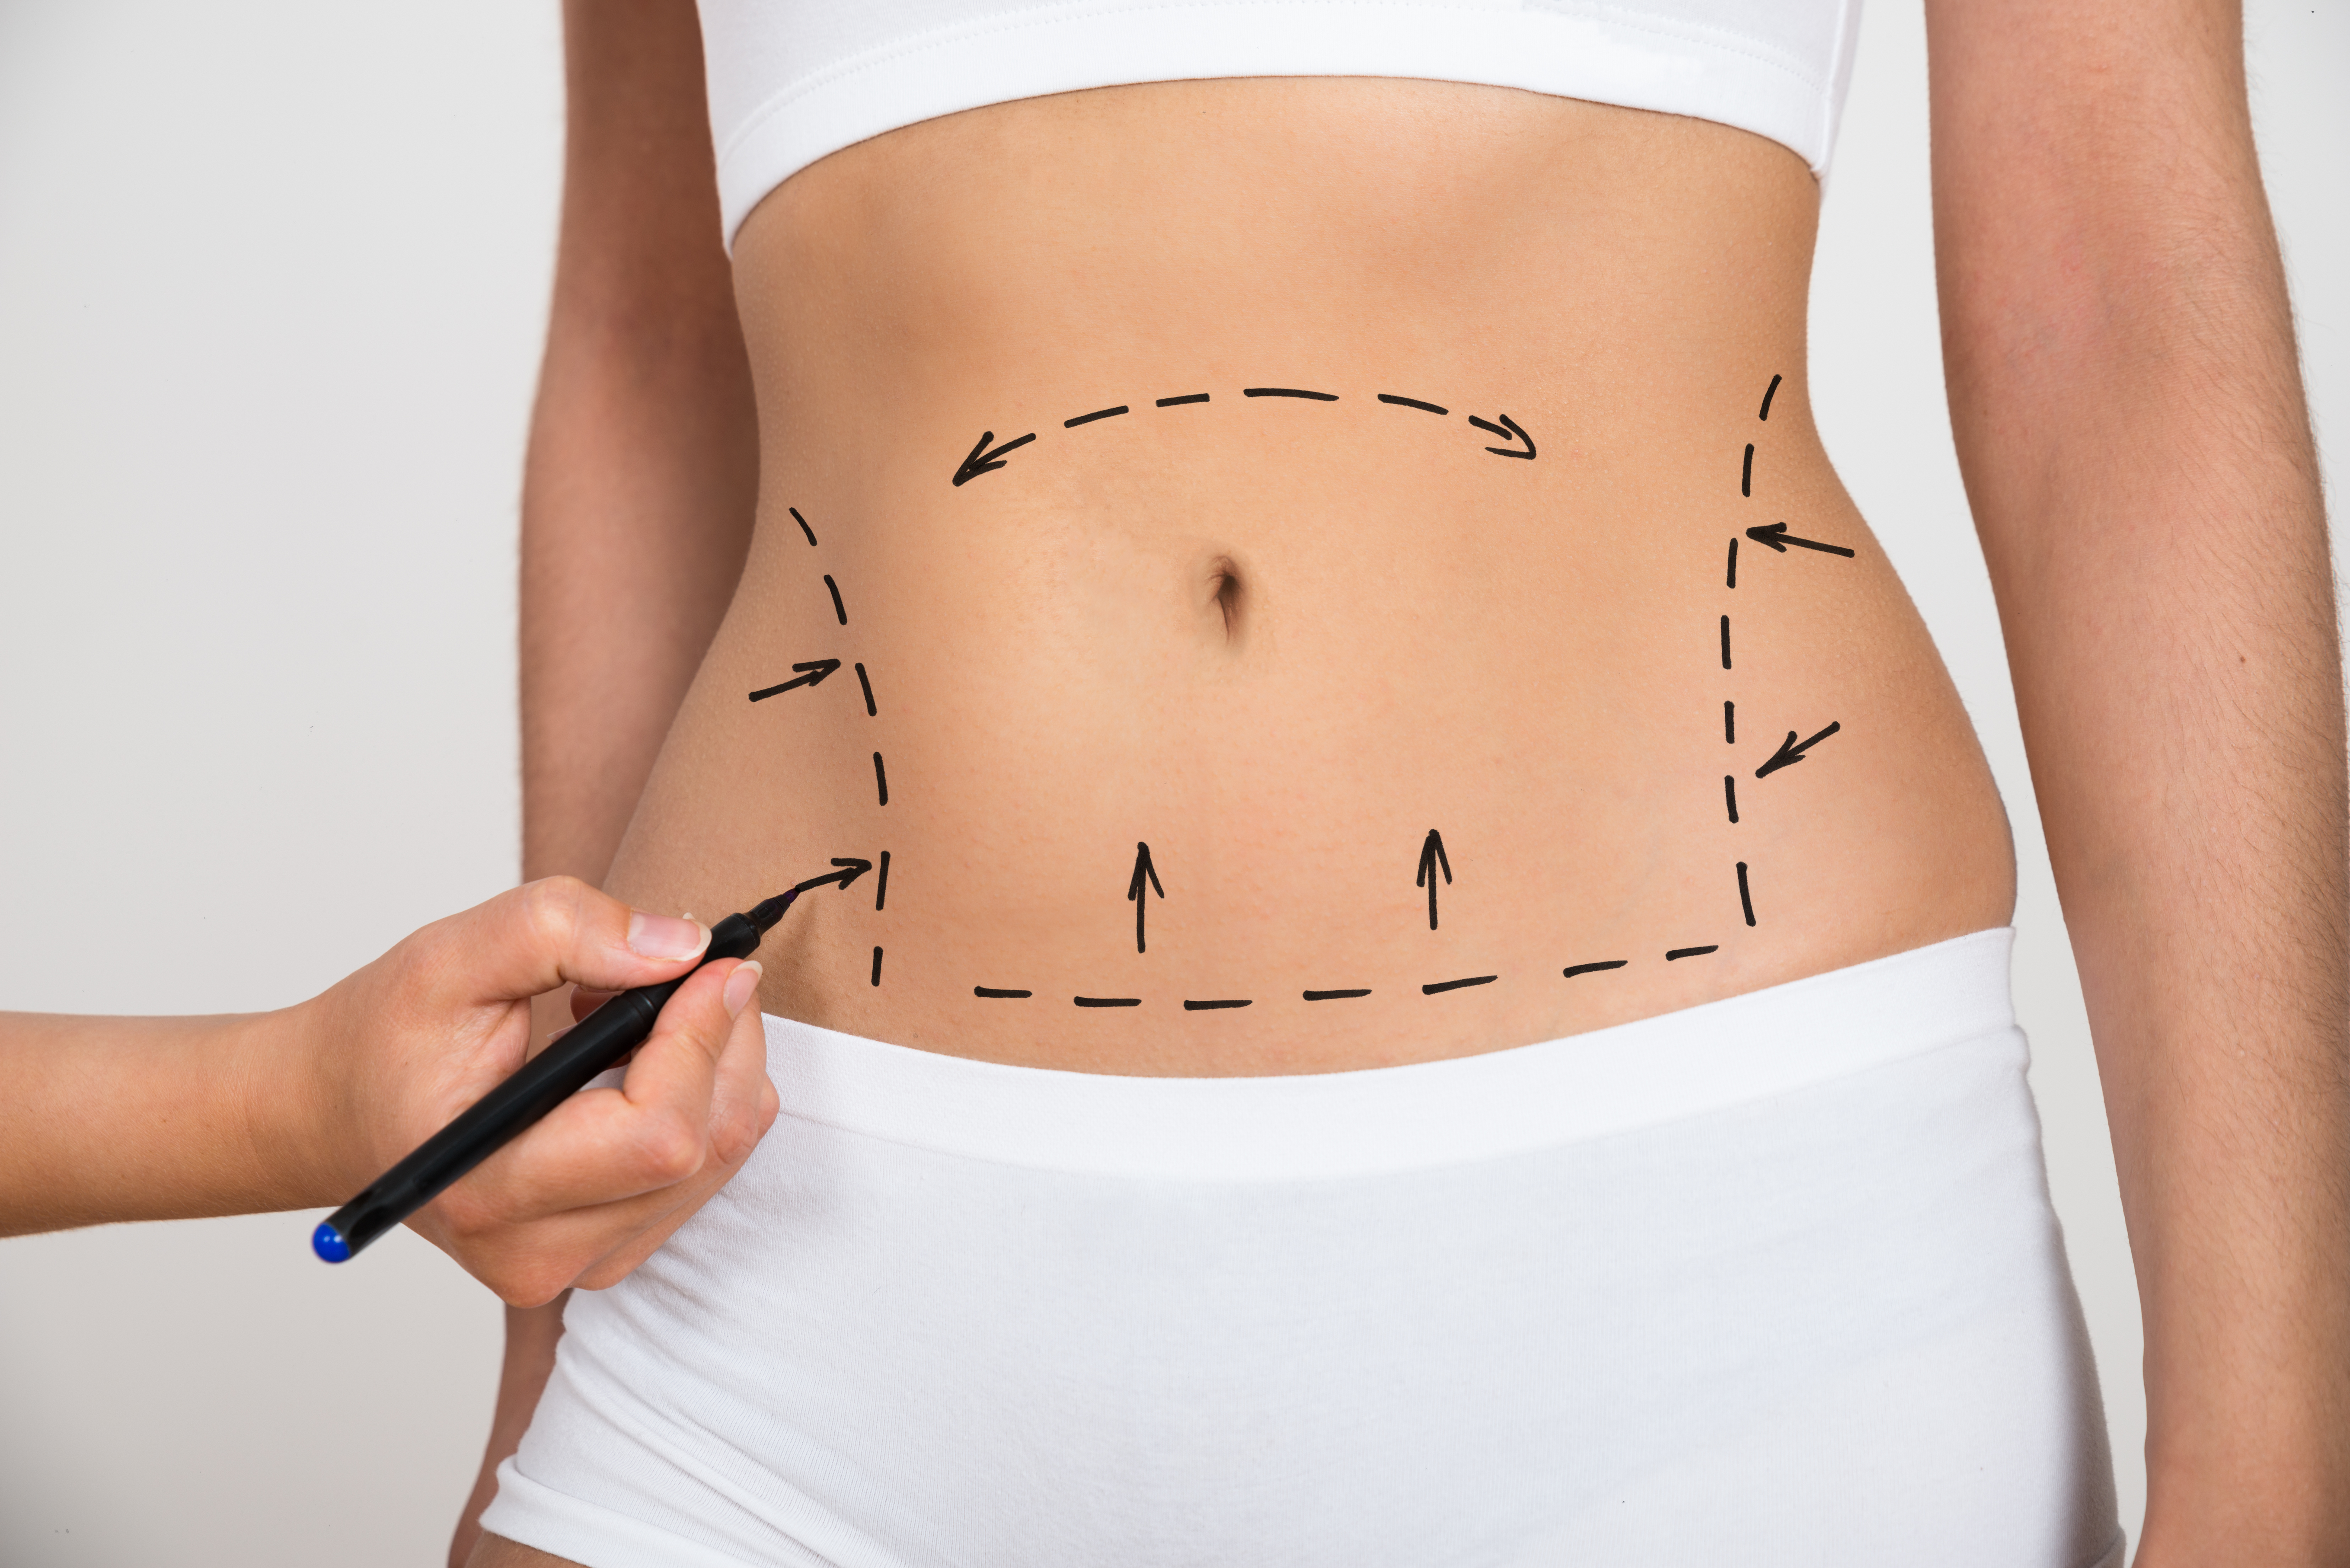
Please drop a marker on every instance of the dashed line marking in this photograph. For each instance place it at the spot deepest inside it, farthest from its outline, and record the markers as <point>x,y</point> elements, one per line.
<point>1214,1006</point>
<point>1745,899</point>
<point>1725,642</point>
<point>870,711</point>
<point>1411,403</point>
<point>1730,793</point>
<point>881,779</point>
<point>1337,995</point>
<point>1771,392</point>
<point>1106,1001</point>
<point>1096,414</point>
<point>1456,984</point>
<point>1186,398</point>
<point>877,966</point>
<point>993,993</point>
<point>1287,392</point>
<point>836,606</point>
<point>802,523</point>
<point>1691,952</point>
<point>1573,970</point>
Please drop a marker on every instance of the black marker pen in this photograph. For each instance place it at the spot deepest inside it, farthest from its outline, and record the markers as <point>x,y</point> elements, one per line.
<point>543,1083</point>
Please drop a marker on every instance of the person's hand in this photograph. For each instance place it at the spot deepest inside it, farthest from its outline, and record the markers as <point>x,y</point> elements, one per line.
<point>400,1047</point>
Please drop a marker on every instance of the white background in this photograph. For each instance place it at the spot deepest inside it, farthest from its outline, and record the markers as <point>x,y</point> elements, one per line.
<point>272,282</point>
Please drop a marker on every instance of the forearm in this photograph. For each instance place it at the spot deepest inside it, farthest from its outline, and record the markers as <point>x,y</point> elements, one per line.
<point>150,1119</point>
<point>2131,427</point>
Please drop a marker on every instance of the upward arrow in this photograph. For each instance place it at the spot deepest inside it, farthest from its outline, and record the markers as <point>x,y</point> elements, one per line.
<point>1142,872</point>
<point>982,460</point>
<point>1431,860</point>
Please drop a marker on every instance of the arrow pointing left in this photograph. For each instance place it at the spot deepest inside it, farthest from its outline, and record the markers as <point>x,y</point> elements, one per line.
<point>815,673</point>
<point>982,460</point>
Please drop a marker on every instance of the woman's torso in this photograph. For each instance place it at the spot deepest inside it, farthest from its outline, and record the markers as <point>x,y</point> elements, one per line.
<point>1282,640</point>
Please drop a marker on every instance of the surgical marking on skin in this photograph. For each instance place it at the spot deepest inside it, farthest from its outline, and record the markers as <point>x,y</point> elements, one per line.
<point>1212,1006</point>
<point>982,460</point>
<point>1789,753</point>
<point>1432,859</point>
<point>1691,952</point>
<point>1778,538</point>
<point>1442,985</point>
<point>881,889</point>
<point>1106,1001</point>
<point>1287,392</point>
<point>1186,398</point>
<point>870,711</point>
<point>1746,480</point>
<point>1573,970</point>
<point>812,674</point>
<point>1412,403</point>
<point>1725,642</point>
<point>1142,869</point>
<point>1337,995</point>
<point>1768,393</point>
<point>1729,722</point>
<point>1511,432</point>
<point>802,523</point>
<point>1096,414</point>
<point>989,991</point>
<point>1745,899</point>
<point>1730,793</point>
<point>836,606</point>
<point>881,779</point>
<point>1733,563</point>
<point>877,966</point>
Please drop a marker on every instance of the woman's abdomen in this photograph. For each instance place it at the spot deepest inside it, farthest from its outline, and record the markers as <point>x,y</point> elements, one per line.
<point>1523,676</point>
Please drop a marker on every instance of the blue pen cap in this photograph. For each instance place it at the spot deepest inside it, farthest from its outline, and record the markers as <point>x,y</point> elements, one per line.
<point>328,1243</point>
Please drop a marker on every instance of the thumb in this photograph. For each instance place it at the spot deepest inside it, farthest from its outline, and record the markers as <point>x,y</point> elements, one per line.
<point>532,938</point>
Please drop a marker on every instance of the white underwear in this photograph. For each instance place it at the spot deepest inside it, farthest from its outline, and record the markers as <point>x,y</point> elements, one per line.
<point>1770,1280</point>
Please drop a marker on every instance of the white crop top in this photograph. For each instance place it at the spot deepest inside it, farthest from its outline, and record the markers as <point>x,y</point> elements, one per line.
<point>792,80</point>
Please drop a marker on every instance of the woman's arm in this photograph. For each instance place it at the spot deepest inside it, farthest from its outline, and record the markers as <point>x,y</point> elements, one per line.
<point>2130,423</point>
<point>164,1118</point>
<point>638,491</point>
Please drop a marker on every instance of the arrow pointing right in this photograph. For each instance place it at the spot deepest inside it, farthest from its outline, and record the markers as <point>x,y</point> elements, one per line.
<point>982,460</point>
<point>851,870</point>
<point>1778,538</point>
<point>816,671</point>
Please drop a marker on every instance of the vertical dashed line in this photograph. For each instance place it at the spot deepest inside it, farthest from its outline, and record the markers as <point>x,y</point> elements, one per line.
<point>1746,480</point>
<point>1725,642</point>
<point>877,966</point>
<point>1730,795</point>
<point>1730,724</point>
<point>835,589</point>
<point>881,889</point>
<point>1769,392</point>
<point>1733,563</point>
<point>881,779</point>
<point>867,686</point>
<point>802,523</point>
<point>1745,899</point>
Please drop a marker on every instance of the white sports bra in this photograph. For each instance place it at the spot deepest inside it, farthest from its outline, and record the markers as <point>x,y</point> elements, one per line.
<point>792,80</point>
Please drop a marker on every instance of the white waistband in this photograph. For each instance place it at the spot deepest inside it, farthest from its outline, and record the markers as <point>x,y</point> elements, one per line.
<point>1328,1125</point>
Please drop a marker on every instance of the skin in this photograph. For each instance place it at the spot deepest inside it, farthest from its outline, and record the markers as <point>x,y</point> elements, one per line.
<point>1280,641</point>
<point>113,1119</point>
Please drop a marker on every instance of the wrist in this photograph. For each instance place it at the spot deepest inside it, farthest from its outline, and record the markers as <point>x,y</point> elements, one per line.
<point>296,1124</point>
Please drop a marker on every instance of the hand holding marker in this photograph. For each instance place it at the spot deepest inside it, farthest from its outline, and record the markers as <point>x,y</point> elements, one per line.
<point>594,1046</point>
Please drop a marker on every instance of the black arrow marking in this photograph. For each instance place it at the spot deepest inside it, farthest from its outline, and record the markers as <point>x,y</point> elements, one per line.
<point>1457,984</point>
<point>982,460</point>
<point>1511,433</point>
<point>802,523</point>
<point>1571,970</point>
<point>1769,392</point>
<point>1789,753</point>
<point>1431,858</point>
<point>1414,404</point>
<point>816,669</point>
<point>852,870</point>
<point>1778,538</point>
<point>1143,870</point>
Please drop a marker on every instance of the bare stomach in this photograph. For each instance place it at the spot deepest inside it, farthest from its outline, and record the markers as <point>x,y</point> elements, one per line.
<point>1289,576</point>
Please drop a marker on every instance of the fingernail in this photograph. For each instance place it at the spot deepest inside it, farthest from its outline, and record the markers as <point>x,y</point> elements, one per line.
<point>662,937</point>
<point>741,987</point>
